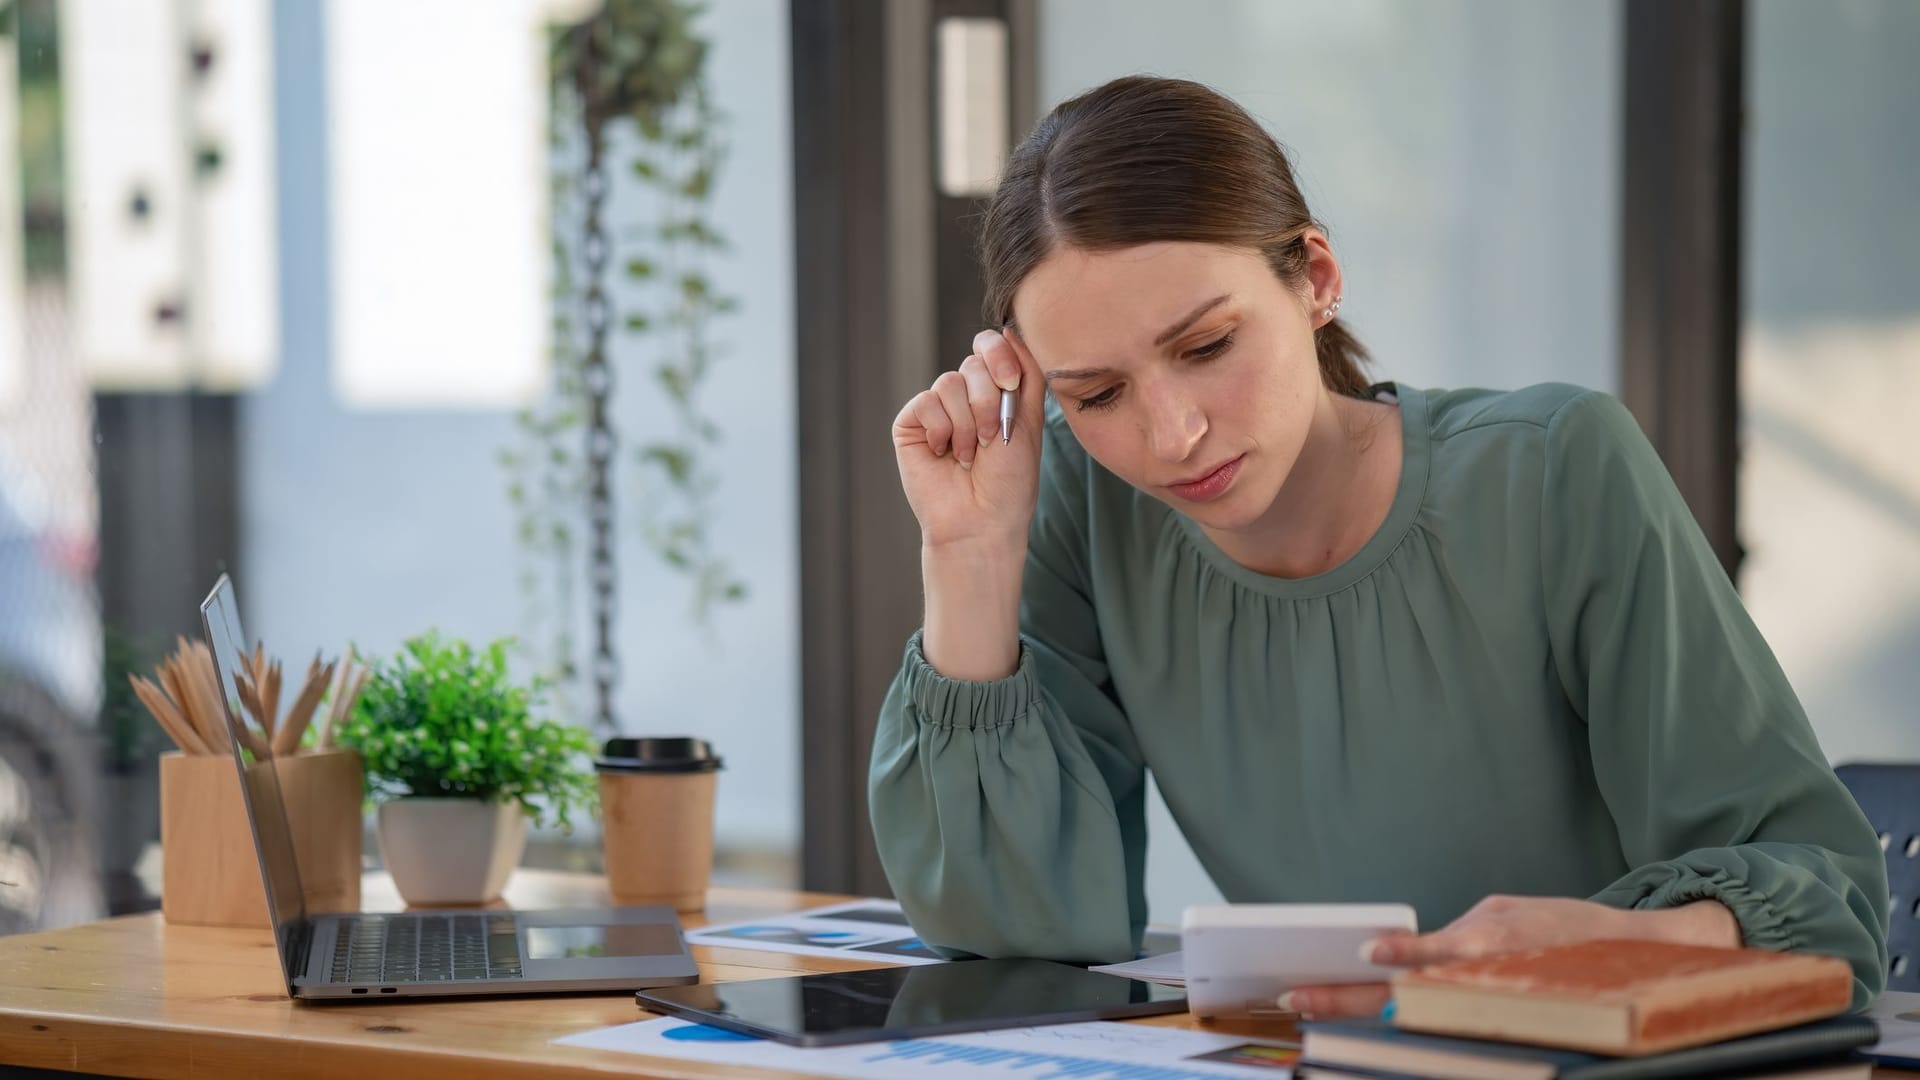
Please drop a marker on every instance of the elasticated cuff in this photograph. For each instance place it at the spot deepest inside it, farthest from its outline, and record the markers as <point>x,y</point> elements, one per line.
<point>1761,924</point>
<point>960,703</point>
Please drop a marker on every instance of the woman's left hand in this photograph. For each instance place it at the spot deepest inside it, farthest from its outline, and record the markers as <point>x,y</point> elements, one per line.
<point>1504,924</point>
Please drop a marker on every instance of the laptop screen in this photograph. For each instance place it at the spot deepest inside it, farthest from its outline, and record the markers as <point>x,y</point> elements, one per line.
<point>259,786</point>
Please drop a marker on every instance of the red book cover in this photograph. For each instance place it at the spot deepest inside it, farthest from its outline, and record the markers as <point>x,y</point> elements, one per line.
<point>1623,997</point>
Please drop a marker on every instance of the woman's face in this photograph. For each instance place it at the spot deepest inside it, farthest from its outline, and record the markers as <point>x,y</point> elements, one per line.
<point>1188,370</point>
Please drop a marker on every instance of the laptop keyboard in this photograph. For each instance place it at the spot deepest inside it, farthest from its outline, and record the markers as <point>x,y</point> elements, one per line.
<point>426,948</point>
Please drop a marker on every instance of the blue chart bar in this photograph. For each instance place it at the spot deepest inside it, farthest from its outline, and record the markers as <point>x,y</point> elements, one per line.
<point>1061,1066</point>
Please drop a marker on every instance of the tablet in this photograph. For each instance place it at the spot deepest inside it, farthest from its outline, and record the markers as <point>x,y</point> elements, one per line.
<point>910,1002</point>
<point>1239,958</point>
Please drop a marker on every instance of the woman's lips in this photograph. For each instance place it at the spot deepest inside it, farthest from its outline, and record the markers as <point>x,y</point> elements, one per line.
<point>1211,486</point>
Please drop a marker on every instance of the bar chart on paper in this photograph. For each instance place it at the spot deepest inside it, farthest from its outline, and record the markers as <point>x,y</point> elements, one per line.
<point>1090,1051</point>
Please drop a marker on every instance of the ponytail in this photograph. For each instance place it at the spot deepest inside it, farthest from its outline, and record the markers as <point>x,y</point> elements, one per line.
<point>1341,355</point>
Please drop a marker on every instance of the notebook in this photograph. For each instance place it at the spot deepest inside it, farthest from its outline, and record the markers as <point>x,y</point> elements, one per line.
<point>1373,1047</point>
<point>1622,997</point>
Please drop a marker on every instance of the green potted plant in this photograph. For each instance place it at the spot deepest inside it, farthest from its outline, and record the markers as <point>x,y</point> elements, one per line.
<point>458,763</point>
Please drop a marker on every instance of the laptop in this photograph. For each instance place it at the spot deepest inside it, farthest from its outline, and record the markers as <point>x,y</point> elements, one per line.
<point>366,957</point>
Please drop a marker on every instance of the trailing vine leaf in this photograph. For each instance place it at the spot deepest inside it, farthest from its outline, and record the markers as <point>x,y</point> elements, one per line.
<point>675,460</point>
<point>674,381</point>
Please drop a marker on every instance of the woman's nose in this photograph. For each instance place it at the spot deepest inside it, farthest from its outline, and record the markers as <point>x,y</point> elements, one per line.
<point>1174,426</point>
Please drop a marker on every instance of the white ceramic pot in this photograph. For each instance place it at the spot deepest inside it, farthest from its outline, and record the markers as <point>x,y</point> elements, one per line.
<point>451,851</point>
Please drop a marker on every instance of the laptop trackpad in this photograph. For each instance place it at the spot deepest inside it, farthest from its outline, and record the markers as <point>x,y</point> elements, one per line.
<point>638,946</point>
<point>603,940</point>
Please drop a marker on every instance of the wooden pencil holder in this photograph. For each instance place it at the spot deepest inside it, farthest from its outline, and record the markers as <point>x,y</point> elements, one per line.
<point>210,874</point>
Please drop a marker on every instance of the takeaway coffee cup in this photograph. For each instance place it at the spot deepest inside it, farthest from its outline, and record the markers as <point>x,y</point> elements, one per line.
<point>656,819</point>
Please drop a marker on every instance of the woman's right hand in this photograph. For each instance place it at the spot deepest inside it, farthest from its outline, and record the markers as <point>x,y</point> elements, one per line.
<point>965,487</point>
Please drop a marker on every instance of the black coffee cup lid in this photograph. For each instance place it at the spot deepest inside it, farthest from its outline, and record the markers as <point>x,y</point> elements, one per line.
<point>674,754</point>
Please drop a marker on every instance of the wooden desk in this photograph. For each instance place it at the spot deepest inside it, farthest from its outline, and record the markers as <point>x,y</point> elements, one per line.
<point>136,997</point>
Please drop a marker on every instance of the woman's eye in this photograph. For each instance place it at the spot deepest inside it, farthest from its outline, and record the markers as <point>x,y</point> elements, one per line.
<point>1213,348</point>
<point>1102,400</point>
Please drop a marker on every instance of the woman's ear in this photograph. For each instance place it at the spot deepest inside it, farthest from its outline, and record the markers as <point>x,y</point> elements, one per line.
<point>1323,278</point>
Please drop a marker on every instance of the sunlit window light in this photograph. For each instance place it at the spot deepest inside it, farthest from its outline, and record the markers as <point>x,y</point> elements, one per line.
<point>438,199</point>
<point>973,104</point>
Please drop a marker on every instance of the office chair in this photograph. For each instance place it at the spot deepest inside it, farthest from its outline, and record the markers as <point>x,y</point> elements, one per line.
<point>1890,796</point>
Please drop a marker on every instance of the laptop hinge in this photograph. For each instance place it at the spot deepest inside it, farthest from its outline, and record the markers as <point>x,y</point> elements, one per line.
<point>300,947</point>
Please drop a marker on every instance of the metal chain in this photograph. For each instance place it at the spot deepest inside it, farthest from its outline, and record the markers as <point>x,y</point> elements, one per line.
<point>597,381</point>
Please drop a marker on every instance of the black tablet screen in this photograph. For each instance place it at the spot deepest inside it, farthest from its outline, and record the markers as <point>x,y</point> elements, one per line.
<point>906,1002</point>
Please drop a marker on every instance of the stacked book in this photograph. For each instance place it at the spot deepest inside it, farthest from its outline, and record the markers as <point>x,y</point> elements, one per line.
<point>1608,1010</point>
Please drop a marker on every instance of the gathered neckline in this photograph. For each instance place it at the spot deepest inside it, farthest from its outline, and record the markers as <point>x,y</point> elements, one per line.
<point>1416,439</point>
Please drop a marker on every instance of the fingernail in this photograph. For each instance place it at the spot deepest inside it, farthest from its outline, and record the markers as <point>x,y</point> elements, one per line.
<point>986,436</point>
<point>1011,382</point>
<point>1370,952</point>
<point>967,465</point>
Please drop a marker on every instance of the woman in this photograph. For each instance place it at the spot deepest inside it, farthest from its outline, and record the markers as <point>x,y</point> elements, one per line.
<point>1463,649</point>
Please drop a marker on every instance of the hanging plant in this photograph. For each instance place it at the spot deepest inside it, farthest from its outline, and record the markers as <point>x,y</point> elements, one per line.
<point>638,67</point>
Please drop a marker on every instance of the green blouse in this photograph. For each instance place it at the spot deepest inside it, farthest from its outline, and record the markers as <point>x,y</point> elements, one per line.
<point>1534,679</point>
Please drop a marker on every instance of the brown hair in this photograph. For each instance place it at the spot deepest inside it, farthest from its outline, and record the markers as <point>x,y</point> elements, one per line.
<point>1144,159</point>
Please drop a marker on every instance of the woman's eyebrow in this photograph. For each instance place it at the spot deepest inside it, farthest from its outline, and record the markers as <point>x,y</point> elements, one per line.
<point>1077,373</point>
<point>1192,317</point>
<point>1171,332</point>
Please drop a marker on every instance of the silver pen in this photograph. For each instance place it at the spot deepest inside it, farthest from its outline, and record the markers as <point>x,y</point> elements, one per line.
<point>1006,417</point>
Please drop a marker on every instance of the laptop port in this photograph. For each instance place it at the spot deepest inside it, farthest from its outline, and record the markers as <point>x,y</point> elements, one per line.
<point>387,990</point>
<point>359,989</point>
